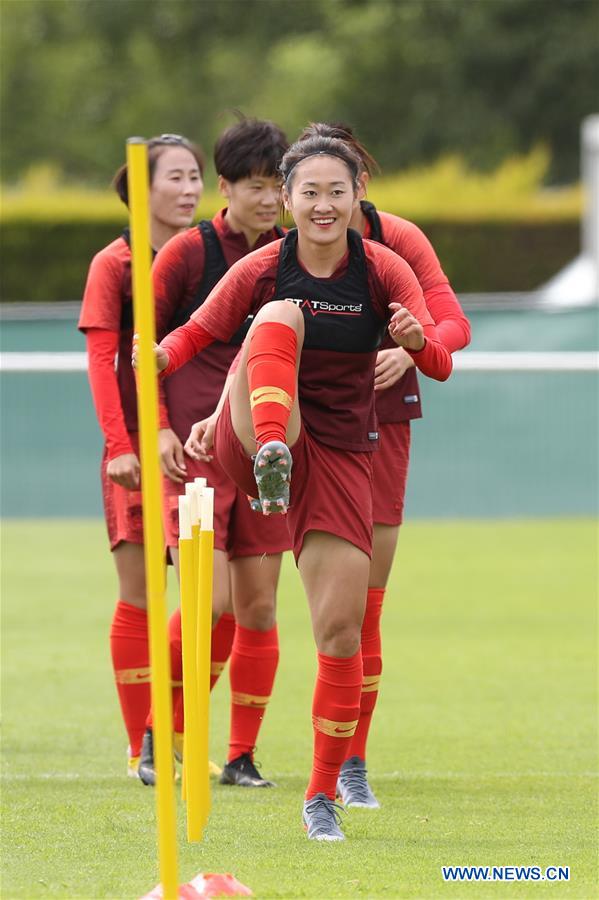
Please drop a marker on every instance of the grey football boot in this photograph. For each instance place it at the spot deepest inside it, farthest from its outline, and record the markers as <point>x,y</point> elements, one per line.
<point>353,787</point>
<point>322,819</point>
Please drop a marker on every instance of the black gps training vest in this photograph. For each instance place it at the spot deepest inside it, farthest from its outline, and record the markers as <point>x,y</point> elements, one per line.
<point>215,266</point>
<point>193,391</point>
<point>401,402</point>
<point>374,220</point>
<point>127,294</point>
<point>342,334</point>
<point>338,313</point>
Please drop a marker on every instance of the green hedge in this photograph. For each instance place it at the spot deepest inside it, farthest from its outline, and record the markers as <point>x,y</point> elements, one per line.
<point>503,256</point>
<point>48,261</point>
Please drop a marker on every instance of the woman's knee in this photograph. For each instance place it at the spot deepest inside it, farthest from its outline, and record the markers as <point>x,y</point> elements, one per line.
<point>255,610</point>
<point>338,637</point>
<point>283,311</point>
<point>130,567</point>
<point>221,590</point>
<point>383,552</point>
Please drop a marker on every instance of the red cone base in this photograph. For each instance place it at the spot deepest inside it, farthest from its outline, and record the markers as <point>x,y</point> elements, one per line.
<point>204,885</point>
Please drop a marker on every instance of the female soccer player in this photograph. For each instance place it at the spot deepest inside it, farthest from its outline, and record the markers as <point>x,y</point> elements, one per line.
<point>322,300</point>
<point>397,400</point>
<point>176,168</point>
<point>248,548</point>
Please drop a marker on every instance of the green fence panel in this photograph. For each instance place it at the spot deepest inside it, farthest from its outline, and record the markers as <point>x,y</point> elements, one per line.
<point>491,444</point>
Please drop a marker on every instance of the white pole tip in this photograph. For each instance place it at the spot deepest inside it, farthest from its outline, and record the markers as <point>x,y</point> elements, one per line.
<point>207,509</point>
<point>184,518</point>
<point>194,502</point>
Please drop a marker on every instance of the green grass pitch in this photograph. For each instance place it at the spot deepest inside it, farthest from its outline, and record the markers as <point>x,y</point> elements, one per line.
<point>482,751</point>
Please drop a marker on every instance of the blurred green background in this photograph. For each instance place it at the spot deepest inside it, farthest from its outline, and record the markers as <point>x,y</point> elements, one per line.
<point>418,78</point>
<point>473,110</point>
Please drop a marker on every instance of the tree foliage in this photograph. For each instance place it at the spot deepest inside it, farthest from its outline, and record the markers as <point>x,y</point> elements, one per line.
<point>416,78</point>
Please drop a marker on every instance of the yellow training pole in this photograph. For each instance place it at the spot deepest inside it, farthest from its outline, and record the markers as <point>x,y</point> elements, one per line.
<point>191,788</point>
<point>205,636</point>
<point>143,306</point>
<point>193,490</point>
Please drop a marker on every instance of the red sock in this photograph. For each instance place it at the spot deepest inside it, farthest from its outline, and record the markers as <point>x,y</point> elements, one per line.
<point>131,664</point>
<point>252,671</point>
<point>176,652</point>
<point>222,641</point>
<point>272,379</point>
<point>335,711</point>
<point>372,663</point>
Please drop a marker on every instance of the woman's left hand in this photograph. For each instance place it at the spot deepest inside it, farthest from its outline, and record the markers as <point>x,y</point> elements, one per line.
<point>391,365</point>
<point>201,439</point>
<point>405,329</point>
<point>172,461</point>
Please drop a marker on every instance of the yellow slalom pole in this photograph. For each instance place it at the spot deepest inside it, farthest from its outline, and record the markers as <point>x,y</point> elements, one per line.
<point>193,490</point>
<point>143,306</point>
<point>188,581</point>
<point>205,636</point>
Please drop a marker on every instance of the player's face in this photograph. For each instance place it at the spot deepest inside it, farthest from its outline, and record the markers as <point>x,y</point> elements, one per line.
<point>321,198</point>
<point>176,188</point>
<point>253,202</point>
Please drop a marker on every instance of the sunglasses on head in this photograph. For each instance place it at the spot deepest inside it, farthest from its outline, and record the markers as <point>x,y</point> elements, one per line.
<point>169,139</point>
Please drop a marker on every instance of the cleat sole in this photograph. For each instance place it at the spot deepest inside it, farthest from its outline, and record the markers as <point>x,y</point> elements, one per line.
<point>272,469</point>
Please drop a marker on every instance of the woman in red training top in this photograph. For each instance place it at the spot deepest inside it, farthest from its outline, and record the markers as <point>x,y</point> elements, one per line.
<point>247,548</point>
<point>322,300</point>
<point>397,401</point>
<point>176,168</point>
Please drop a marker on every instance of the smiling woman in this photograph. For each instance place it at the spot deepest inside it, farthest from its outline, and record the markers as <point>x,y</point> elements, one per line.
<point>247,554</point>
<point>300,413</point>
<point>175,168</point>
<point>397,400</point>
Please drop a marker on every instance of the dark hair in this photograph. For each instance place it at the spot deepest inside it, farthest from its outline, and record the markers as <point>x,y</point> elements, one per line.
<point>250,147</point>
<point>156,147</point>
<point>319,146</point>
<point>345,133</point>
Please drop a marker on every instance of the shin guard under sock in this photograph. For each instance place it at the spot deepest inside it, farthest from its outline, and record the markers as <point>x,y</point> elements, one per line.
<point>254,661</point>
<point>272,377</point>
<point>335,711</point>
<point>131,663</point>
<point>372,664</point>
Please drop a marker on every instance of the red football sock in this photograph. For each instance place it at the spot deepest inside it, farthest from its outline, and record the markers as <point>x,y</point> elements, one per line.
<point>372,663</point>
<point>335,711</point>
<point>131,664</point>
<point>272,379</point>
<point>222,641</point>
<point>254,661</point>
<point>176,652</point>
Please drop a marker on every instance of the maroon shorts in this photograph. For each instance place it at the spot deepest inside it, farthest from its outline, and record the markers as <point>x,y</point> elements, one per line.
<point>331,489</point>
<point>122,508</point>
<point>237,530</point>
<point>390,473</point>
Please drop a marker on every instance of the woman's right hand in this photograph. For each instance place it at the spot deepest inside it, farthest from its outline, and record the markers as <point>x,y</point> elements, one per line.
<point>201,439</point>
<point>160,354</point>
<point>124,470</point>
